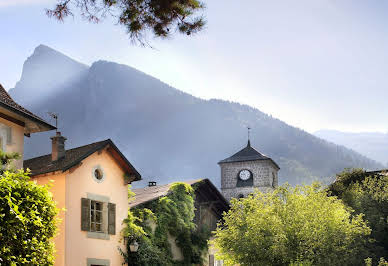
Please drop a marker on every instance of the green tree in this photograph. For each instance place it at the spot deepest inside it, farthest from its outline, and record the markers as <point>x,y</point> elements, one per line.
<point>139,17</point>
<point>291,226</point>
<point>27,219</point>
<point>367,193</point>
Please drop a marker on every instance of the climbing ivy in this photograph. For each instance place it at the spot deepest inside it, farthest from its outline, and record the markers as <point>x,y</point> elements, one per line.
<point>152,224</point>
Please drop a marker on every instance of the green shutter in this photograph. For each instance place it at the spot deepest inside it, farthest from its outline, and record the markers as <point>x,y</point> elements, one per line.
<point>9,135</point>
<point>85,214</point>
<point>111,218</point>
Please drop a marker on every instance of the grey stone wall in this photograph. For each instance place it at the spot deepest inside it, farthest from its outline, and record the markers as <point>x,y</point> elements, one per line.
<point>265,177</point>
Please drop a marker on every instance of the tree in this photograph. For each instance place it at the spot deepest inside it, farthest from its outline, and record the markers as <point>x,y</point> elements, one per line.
<point>291,226</point>
<point>27,220</point>
<point>139,17</point>
<point>367,193</point>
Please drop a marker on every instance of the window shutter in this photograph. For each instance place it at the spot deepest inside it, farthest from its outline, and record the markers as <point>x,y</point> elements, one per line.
<point>85,214</point>
<point>111,218</point>
<point>9,135</point>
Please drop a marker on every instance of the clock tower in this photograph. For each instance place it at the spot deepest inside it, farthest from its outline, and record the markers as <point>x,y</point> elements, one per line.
<point>246,171</point>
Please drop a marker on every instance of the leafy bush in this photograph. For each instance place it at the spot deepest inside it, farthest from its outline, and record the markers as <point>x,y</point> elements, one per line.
<point>27,221</point>
<point>291,226</point>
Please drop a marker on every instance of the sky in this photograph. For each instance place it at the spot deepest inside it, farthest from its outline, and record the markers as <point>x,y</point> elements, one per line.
<point>319,64</point>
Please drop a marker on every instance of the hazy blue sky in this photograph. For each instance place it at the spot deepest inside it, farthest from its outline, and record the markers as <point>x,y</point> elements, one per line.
<point>313,64</point>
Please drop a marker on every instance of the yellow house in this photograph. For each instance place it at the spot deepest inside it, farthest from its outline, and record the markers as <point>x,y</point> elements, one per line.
<point>91,184</point>
<point>15,123</point>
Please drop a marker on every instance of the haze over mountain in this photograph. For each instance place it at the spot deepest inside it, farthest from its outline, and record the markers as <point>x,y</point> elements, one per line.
<point>167,134</point>
<point>372,144</point>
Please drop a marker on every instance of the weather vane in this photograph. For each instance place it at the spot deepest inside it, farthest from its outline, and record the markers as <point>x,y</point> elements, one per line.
<point>55,116</point>
<point>249,131</point>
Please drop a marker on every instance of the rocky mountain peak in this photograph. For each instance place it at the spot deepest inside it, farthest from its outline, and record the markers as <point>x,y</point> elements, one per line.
<point>44,72</point>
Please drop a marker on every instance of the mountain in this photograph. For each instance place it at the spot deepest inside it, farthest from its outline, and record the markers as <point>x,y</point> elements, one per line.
<point>372,144</point>
<point>167,134</point>
<point>45,73</point>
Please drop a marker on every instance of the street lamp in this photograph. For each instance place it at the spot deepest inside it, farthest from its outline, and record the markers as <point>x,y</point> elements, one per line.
<point>134,246</point>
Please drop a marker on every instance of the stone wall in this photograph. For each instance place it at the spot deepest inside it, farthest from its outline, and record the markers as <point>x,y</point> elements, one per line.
<point>264,177</point>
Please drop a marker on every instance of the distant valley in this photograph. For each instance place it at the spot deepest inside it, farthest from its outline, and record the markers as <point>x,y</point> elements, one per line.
<point>372,144</point>
<point>167,134</point>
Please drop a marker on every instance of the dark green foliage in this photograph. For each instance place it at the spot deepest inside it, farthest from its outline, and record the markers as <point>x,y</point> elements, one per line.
<point>367,194</point>
<point>27,221</point>
<point>171,215</point>
<point>161,17</point>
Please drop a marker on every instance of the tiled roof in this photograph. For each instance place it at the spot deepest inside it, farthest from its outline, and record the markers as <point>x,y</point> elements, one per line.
<point>379,172</point>
<point>147,194</point>
<point>7,102</point>
<point>44,164</point>
<point>247,154</point>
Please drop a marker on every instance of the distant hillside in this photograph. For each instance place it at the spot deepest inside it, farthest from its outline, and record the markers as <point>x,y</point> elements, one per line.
<point>372,144</point>
<point>167,134</point>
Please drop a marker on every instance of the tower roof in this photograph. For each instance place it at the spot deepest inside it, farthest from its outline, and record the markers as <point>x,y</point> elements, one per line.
<point>247,154</point>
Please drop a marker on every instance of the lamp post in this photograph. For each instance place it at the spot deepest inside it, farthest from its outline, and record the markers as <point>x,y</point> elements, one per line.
<point>134,246</point>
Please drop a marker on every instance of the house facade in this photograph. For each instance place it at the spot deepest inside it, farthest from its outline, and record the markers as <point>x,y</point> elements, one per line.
<point>90,186</point>
<point>15,123</point>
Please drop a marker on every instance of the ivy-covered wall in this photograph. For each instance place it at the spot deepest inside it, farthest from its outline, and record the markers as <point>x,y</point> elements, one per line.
<point>168,218</point>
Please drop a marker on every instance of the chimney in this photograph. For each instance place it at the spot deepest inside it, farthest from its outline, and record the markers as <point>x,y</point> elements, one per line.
<point>58,147</point>
<point>152,184</point>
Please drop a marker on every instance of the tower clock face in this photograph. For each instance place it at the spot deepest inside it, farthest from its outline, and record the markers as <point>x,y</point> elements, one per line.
<point>244,174</point>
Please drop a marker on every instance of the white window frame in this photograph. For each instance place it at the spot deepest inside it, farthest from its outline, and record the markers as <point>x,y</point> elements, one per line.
<point>104,233</point>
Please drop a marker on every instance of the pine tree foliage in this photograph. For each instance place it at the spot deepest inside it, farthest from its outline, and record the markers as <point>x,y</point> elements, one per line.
<point>161,18</point>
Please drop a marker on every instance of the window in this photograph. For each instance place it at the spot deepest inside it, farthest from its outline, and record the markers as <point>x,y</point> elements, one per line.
<point>97,262</point>
<point>5,136</point>
<point>96,213</point>
<point>98,174</point>
<point>273,180</point>
<point>98,216</point>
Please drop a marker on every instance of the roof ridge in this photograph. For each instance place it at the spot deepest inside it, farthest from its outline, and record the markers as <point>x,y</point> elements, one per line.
<point>44,164</point>
<point>248,153</point>
<point>72,149</point>
<point>8,101</point>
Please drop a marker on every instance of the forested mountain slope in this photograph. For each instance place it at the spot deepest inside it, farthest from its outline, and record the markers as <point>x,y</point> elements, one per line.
<point>167,134</point>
